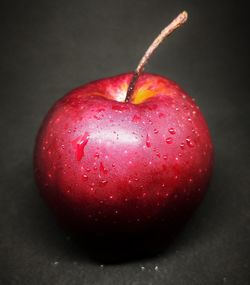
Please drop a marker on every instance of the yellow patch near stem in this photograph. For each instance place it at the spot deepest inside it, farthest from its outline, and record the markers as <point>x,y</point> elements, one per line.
<point>141,95</point>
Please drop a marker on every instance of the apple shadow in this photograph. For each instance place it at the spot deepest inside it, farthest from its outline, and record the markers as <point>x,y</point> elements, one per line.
<point>121,248</point>
<point>114,249</point>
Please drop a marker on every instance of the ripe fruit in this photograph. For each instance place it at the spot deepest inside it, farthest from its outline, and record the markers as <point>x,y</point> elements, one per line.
<point>111,161</point>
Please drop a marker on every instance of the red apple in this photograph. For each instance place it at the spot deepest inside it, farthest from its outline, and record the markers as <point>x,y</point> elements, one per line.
<point>106,165</point>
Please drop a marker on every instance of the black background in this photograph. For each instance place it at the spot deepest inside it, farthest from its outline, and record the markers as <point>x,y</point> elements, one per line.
<point>49,47</point>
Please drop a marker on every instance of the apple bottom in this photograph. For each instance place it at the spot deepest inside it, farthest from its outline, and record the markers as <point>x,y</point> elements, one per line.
<point>108,242</point>
<point>99,220</point>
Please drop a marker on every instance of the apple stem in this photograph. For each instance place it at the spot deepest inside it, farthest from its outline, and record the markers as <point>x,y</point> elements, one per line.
<point>176,23</point>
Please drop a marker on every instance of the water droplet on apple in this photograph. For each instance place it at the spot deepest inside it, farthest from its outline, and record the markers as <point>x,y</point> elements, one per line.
<point>169,140</point>
<point>84,177</point>
<point>97,155</point>
<point>165,157</point>
<point>182,145</point>
<point>102,168</point>
<point>81,145</point>
<point>189,142</point>
<point>148,144</point>
<point>103,183</point>
<point>156,131</point>
<point>172,131</point>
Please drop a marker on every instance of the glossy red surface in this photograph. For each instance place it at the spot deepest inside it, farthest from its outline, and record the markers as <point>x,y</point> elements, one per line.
<point>105,165</point>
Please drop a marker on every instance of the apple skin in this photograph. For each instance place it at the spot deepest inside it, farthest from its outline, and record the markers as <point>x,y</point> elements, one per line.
<point>106,166</point>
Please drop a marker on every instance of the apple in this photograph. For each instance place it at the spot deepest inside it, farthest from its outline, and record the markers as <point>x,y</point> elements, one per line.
<point>124,154</point>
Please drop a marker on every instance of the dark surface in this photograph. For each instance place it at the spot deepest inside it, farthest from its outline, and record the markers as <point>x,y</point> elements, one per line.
<point>48,48</point>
